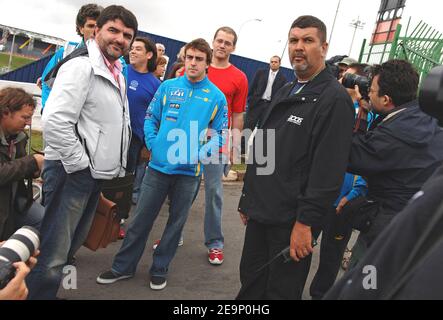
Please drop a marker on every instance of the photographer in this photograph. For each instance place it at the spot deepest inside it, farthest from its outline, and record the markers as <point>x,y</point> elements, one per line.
<point>402,149</point>
<point>408,254</point>
<point>16,205</point>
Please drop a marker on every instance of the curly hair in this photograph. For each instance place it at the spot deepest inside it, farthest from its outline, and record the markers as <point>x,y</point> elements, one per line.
<point>13,100</point>
<point>397,79</point>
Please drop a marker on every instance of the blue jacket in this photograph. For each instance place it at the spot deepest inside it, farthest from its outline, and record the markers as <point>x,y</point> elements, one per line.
<point>177,123</point>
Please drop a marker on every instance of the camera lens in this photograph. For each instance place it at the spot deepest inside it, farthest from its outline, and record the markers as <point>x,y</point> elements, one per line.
<point>21,245</point>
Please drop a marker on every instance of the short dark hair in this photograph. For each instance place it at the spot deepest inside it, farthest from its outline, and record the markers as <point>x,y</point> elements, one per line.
<point>13,100</point>
<point>397,79</point>
<point>150,47</point>
<point>113,13</point>
<point>279,59</point>
<point>91,11</point>
<point>304,22</point>
<point>200,45</point>
<point>227,30</point>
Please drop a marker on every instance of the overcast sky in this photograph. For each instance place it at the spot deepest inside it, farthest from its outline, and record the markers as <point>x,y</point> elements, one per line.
<point>187,20</point>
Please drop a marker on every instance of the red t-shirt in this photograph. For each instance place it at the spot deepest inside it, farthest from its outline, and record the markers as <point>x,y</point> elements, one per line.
<point>234,84</point>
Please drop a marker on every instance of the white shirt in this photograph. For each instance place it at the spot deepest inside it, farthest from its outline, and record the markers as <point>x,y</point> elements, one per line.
<point>271,78</point>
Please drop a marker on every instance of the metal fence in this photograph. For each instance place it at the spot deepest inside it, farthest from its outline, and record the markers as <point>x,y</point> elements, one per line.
<point>422,47</point>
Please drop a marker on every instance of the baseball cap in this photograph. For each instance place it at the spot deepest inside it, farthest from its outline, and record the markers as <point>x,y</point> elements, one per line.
<point>348,61</point>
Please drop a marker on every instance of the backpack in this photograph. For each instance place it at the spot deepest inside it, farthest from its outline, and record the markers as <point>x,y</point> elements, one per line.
<point>79,52</point>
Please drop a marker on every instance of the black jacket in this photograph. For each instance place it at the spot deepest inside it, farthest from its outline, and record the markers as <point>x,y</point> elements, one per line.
<point>259,84</point>
<point>407,255</point>
<point>396,158</point>
<point>12,175</point>
<point>313,133</point>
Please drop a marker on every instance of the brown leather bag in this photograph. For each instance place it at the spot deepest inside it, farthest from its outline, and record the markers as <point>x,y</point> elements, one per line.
<point>105,226</point>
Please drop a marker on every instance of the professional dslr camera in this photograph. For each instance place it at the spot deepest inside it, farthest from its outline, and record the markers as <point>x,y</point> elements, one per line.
<point>19,247</point>
<point>363,83</point>
<point>431,94</point>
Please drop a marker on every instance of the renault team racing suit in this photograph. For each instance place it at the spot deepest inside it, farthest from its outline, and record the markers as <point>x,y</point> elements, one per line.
<point>177,123</point>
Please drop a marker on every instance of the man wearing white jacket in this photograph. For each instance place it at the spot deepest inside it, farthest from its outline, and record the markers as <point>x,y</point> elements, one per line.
<point>87,131</point>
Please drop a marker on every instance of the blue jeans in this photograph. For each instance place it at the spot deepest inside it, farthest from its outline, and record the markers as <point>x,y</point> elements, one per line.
<point>139,175</point>
<point>32,218</point>
<point>213,173</point>
<point>155,188</point>
<point>70,204</point>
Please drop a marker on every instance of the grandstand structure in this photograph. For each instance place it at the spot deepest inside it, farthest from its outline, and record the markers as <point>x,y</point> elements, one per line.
<point>27,44</point>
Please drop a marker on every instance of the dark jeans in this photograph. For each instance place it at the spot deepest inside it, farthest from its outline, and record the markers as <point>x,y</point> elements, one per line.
<point>279,281</point>
<point>70,204</point>
<point>333,245</point>
<point>134,153</point>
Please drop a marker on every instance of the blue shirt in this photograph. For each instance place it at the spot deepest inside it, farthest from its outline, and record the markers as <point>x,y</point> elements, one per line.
<point>141,89</point>
<point>354,186</point>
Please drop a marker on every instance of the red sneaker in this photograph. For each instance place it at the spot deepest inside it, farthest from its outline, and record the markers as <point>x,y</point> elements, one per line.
<point>215,256</point>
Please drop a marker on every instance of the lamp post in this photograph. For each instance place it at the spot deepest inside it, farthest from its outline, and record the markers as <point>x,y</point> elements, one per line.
<point>245,22</point>
<point>333,24</point>
<point>356,24</point>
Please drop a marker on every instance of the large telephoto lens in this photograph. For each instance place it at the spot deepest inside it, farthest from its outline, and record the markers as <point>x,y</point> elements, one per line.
<point>19,247</point>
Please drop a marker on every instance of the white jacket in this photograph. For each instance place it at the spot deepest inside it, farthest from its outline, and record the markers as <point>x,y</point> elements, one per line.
<point>86,119</point>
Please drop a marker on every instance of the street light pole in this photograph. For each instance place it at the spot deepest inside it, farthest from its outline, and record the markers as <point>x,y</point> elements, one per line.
<point>333,24</point>
<point>356,24</point>
<point>245,22</point>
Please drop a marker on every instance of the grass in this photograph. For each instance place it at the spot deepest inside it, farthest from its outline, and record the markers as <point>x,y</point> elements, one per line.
<point>17,62</point>
<point>36,141</point>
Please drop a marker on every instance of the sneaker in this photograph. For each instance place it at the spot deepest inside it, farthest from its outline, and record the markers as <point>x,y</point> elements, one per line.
<point>216,256</point>
<point>158,283</point>
<point>157,242</point>
<point>109,277</point>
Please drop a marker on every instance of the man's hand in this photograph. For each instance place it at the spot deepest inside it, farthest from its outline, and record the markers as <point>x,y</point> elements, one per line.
<point>244,218</point>
<point>341,204</point>
<point>31,263</point>
<point>40,159</point>
<point>16,288</point>
<point>301,242</point>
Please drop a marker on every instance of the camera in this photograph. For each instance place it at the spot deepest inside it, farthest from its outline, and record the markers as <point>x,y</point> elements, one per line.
<point>19,247</point>
<point>363,83</point>
<point>431,94</point>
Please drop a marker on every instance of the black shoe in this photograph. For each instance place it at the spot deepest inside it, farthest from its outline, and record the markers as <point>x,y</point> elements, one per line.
<point>158,283</point>
<point>72,261</point>
<point>109,277</point>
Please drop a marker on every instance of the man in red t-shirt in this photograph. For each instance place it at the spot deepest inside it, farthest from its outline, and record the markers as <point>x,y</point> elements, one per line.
<point>234,84</point>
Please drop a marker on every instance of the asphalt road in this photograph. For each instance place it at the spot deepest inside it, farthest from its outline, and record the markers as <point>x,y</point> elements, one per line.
<point>191,277</point>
